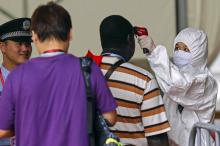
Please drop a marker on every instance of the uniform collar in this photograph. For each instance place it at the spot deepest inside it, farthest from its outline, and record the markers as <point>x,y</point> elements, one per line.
<point>113,55</point>
<point>5,72</point>
<point>50,54</point>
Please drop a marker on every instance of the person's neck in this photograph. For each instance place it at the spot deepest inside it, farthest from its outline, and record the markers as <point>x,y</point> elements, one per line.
<point>51,45</point>
<point>9,66</point>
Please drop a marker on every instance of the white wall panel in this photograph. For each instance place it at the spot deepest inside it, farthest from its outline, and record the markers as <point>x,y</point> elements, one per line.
<point>157,15</point>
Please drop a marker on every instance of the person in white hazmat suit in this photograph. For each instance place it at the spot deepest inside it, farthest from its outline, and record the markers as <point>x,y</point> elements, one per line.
<point>190,91</point>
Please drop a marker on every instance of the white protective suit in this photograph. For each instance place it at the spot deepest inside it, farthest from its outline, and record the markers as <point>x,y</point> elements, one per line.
<point>191,86</point>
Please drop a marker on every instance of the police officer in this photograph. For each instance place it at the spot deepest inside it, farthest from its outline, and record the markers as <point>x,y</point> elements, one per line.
<point>15,45</point>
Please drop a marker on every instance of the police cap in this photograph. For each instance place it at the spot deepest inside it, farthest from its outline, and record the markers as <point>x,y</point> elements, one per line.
<point>16,30</point>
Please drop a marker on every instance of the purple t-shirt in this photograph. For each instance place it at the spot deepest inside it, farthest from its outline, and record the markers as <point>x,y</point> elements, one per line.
<point>44,101</point>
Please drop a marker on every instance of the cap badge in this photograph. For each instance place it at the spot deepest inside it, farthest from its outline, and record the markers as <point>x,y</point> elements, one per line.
<point>26,24</point>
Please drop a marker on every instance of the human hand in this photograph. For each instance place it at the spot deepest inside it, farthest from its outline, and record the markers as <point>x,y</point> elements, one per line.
<point>144,40</point>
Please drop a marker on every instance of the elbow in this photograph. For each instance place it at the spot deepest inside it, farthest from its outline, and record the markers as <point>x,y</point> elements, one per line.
<point>6,133</point>
<point>110,117</point>
<point>114,118</point>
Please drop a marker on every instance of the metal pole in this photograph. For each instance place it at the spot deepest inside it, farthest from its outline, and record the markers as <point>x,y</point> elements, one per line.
<point>25,8</point>
<point>7,14</point>
<point>181,15</point>
<point>217,139</point>
<point>58,1</point>
<point>198,134</point>
<point>196,130</point>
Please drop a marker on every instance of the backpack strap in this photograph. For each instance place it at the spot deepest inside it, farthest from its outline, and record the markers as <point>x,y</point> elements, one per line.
<point>86,68</point>
<point>95,120</point>
<point>113,67</point>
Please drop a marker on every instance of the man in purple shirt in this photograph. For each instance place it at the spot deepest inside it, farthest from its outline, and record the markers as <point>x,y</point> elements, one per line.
<point>44,100</point>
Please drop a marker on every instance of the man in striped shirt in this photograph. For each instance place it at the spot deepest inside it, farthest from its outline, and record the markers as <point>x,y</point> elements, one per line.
<point>141,117</point>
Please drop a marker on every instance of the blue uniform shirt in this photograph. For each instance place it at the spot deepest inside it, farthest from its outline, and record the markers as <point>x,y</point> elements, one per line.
<point>5,73</point>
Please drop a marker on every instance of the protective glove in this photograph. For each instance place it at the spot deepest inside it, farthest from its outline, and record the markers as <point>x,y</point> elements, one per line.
<point>144,40</point>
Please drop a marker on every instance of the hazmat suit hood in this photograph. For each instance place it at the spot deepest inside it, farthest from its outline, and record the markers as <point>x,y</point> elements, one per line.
<point>197,42</point>
<point>192,86</point>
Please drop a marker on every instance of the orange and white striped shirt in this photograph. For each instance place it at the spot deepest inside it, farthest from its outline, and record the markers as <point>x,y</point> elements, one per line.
<point>140,111</point>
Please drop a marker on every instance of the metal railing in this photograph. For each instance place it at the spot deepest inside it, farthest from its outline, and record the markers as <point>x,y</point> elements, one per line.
<point>195,135</point>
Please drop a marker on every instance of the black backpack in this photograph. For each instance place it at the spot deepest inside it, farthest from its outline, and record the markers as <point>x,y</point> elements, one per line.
<point>99,133</point>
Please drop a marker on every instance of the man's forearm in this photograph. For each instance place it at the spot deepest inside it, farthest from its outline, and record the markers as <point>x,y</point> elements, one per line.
<point>158,140</point>
<point>110,117</point>
<point>6,133</point>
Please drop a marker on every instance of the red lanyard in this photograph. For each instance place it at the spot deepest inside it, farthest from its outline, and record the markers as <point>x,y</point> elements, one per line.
<point>1,78</point>
<point>53,50</point>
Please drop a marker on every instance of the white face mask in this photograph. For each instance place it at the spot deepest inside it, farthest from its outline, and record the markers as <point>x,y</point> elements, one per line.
<point>182,58</point>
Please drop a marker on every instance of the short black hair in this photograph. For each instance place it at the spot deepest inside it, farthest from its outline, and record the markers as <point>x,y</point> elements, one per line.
<point>115,31</point>
<point>51,21</point>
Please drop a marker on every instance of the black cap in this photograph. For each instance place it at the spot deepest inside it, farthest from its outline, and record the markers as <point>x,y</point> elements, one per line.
<point>16,30</point>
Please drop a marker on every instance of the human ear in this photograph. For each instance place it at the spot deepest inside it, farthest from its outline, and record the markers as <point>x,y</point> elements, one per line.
<point>34,37</point>
<point>70,35</point>
<point>2,46</point>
